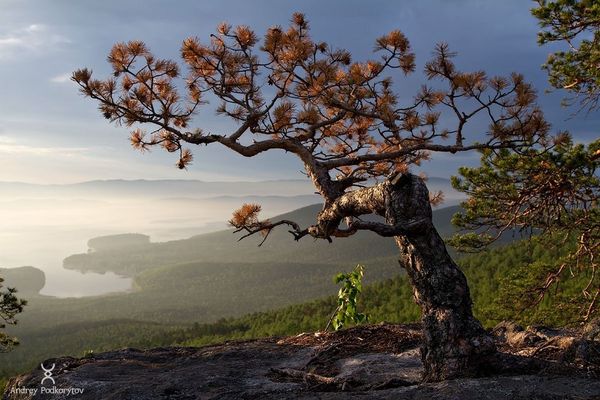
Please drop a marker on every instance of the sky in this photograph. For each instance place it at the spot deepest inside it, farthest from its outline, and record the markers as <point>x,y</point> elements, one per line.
<point>49,133</point>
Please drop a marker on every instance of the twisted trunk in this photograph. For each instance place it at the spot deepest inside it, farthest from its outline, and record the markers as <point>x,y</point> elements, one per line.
<point>454,342</point>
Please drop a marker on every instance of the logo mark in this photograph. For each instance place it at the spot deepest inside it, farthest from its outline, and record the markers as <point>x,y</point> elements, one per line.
<point>48,373</point>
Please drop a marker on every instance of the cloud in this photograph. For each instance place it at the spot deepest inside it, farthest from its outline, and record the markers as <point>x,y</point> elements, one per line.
<point>42,161</point>
<point>33,39</point>
<point>63,78</point>
<point>10,146</point>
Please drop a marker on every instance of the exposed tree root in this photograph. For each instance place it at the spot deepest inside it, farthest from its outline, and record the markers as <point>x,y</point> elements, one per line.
<point>530,351</point>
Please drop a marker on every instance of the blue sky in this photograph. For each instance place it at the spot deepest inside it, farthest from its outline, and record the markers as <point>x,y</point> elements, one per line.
<point>51,134</point>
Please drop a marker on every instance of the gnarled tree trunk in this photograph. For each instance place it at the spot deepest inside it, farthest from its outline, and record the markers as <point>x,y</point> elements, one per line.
<point>454,342</point>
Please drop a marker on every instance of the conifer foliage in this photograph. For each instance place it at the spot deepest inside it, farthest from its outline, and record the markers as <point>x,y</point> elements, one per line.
<point>552,193</point>
<point>10,306</point>
<point>575,24</point>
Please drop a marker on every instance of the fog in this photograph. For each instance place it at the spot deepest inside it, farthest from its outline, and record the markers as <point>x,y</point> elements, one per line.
<point>43,224</point>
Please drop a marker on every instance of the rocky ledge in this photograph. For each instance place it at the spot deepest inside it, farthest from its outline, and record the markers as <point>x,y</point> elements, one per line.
<point>368,362</point>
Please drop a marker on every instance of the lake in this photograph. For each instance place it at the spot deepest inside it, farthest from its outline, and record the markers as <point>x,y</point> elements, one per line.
<point>41,231</point>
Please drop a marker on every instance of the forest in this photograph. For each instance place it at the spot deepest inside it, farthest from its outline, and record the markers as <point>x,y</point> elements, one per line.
<point>494,276</point>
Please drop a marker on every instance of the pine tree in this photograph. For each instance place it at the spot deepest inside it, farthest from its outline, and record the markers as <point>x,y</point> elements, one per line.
<point>574,23</point>
<point>355,135</point>
<point>10,306</point>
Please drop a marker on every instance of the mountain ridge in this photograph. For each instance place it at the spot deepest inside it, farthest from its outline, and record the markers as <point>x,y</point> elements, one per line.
<point>120,180</point>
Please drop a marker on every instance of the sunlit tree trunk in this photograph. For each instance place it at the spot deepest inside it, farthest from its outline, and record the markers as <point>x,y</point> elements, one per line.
<point>454,342</point>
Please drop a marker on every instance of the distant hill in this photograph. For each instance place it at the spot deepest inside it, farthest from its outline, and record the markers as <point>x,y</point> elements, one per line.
<point>224,247</point>
<point>118,242</point>
<point>158,188</point>
<point>28,280</point>
<point>49,222</point>
<point>182,188</point>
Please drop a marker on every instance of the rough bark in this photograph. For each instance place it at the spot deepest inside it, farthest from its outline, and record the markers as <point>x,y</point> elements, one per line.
<point>454,342</point>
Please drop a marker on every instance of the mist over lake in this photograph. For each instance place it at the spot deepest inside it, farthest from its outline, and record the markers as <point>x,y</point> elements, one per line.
<point>44,224</point>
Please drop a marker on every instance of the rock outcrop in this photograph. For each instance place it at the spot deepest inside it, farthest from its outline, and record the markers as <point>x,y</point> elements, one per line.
<point>370,362</point>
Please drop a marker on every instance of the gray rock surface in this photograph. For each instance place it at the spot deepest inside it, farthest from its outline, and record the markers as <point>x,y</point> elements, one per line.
<point>260,369</point>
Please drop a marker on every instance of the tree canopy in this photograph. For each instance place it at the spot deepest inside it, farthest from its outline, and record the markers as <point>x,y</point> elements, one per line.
<point>549,191</point>
<point>10,306</point>
<point>575,69</point>
<point>344,119</point>
<point>552,193</point>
